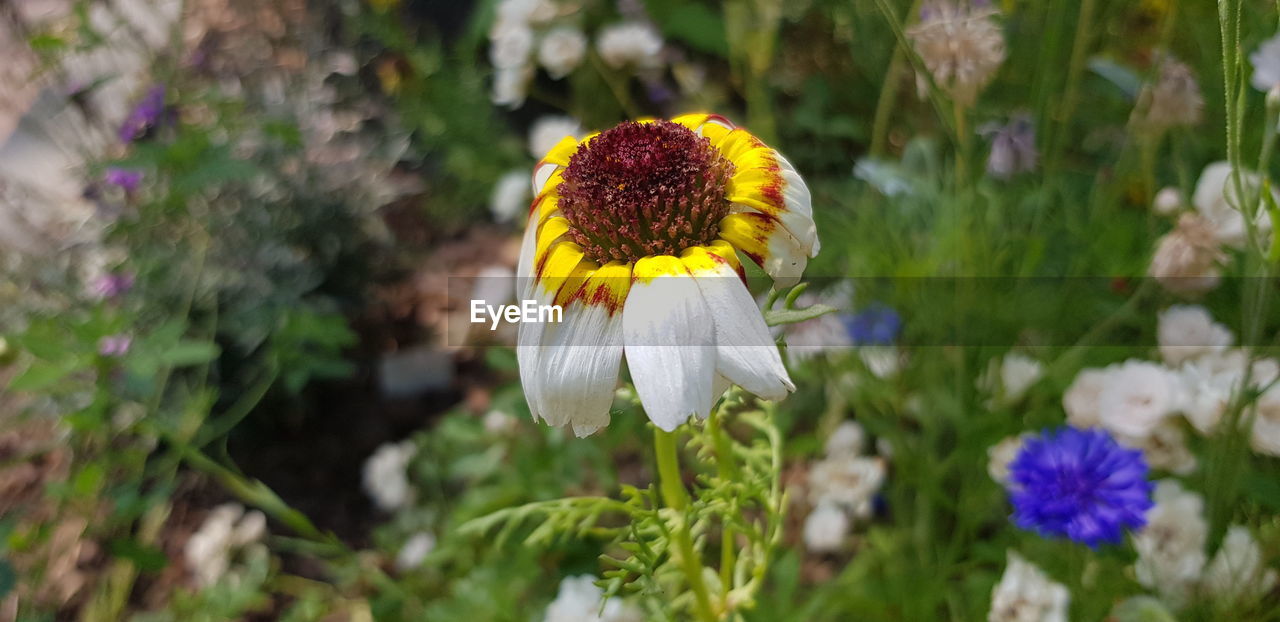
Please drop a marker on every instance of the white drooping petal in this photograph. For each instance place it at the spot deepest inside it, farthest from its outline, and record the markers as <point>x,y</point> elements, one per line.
<point>529,334</point>
<point>799,215</point>
<point>669,348</point>
<point>745,353</point>
<point>542,174</point>
<point>767,242</point>
<point>579,368</point>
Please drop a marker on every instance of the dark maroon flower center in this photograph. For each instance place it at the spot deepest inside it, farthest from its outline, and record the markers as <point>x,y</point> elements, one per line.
<point>642,189</point>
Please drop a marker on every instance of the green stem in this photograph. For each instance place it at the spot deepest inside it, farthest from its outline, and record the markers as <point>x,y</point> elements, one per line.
<point>727,469</point>
<point>675,497</point>
<point>962,144</point>
<point>618,88</point>
<point>1069,359</point>
<point>889,94</point>
<point>1075,70</point>
<point>241,409</point>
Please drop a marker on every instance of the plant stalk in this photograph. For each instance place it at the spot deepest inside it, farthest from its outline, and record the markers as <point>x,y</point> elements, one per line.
<point>675,497</point>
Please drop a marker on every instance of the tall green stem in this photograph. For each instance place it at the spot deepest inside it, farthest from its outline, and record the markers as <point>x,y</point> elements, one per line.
<point>889,93</point>
<point>727,469</point>
<point>962,144</point>
<point>1075,70</point>
<point>675,497</point>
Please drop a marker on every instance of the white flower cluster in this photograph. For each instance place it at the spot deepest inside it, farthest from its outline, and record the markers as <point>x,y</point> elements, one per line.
<point>1138,401</point>
<point>547,131</point>
<point>580,599</point>
<point>1266,65</point>
<point>1172,556</point>
<point>510,195</point>
<point>415,550</point>
<point>385,476</point>
<point>629,44</point>
<point>525,30</point>
<point>226,530</point>
<point>842,487</point>
<point>1011,377</point>
<point>1173,100</point>
<point>1026,594</point>
<point>1001,455</point>
<point>961,45</point>
<point>1188,259</point>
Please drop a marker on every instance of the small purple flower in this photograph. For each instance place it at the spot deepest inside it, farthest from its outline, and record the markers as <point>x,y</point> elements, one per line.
<point>876,325</point>
<point>115,345</point>
<point>1080,484</point>
<point>144,115</point>
<point>112,285</point>
<point>123,178</point>
<point>1013,147</point>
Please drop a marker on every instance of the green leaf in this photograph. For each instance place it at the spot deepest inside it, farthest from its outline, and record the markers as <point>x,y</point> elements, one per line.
<point>8,578</point>
<point>698,26</point>
<point>186,353</point>
<point>1141,609</point>
<point>146,558</point>
<point>88,481</point>
<point>778,317</point>
<point>1263,489</point>
<point>1123,77</point>
<point>1273,211</point>
<point>41,374</point>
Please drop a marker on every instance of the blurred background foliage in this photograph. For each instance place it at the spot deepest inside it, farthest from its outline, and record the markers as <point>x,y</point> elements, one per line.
<point>275,299</point>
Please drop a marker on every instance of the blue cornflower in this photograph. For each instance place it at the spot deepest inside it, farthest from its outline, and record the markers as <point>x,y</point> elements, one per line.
<point>877,325</point>
<point>1080,484</point>
<point>144,115</point>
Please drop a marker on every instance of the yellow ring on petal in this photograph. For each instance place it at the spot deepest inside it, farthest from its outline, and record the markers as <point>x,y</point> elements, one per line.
<point>650,268</point>
<point>608,286</point>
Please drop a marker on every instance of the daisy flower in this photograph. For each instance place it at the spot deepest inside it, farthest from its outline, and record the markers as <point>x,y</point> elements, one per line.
<point>635,233</point>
